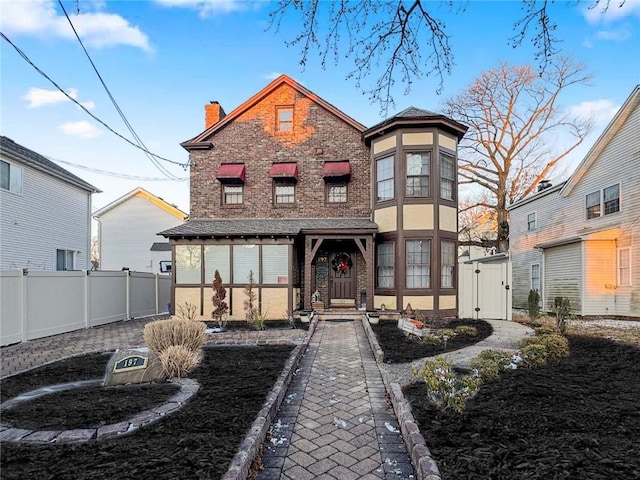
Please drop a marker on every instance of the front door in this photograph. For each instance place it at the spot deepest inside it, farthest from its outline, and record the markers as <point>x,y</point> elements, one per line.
<point>342,277</point>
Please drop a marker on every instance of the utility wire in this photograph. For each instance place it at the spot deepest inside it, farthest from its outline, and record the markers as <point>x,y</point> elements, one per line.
<point>28,60</point>
<point>114,174</point>
<point>138,140</point>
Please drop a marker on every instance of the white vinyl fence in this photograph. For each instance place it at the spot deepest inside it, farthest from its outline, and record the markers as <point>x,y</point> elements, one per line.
<point>37,304</point>
<point>485,290</point>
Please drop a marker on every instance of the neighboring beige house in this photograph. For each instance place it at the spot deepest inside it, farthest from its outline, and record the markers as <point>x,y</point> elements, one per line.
<point>581,239</point>
<point>128,230</point>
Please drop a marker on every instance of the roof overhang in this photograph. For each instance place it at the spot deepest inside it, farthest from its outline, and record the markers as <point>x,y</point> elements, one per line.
<point>558,243</point>
<point>284,170</point>
<point>435,121</point>
<point>336,169</point>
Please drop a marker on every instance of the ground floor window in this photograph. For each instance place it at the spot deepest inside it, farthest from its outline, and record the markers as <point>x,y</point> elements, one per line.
<point>448,258</point>
<point>64,259</point>
<point>535,277</point>
<point>385,265</point>
<point>418,255</point>
<point>624,267</point>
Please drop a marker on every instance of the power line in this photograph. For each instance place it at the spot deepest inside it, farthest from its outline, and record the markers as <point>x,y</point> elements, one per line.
<point>114,174</point>
<point>28,60</point>
<point>139,141</point>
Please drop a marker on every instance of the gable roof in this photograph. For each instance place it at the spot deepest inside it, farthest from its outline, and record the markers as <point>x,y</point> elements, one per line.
<point>609,133</point>
<point>200,141</point>
<point>16,152</point>
<point>537,195</point>
<point>142,193</point>
<point>415,117</point>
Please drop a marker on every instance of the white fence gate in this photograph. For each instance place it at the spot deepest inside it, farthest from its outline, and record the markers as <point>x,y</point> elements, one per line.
<point>485,290</point>
<point>37,304</point>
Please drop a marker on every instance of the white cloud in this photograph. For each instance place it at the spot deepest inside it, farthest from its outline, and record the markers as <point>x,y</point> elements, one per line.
<point>96,29</point>
<point>81,129</point>
<point>614,12</point>
<point>41,97</point>
<point>206,8</point>
<point>616,35</point>
<point>601,111</point>
<point>271,75</point>
<point>89,104</point>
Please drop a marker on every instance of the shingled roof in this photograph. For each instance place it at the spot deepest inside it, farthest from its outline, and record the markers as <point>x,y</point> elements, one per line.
<point>14,151</point>
<point>268,227</point>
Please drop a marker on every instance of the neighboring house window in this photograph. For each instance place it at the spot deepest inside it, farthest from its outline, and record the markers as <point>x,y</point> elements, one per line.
<point>603,202</point>
<point>64,259</point>
<point>418,165</point>
<point>285,192</point>
<point>535,277</point>
<point>337,192</point>
<point>448,258</point>
<point>418,263</point>
<point>385,265</point>
<point>233,194</point>
<point>532,221</point>
<point>10,177</point>
<point>384,179</point>
<point>447,176</point>
<point>624,267</point>
<point>285,119</point>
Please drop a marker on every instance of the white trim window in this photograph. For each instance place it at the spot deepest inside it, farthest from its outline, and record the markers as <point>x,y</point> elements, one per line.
<point>385,264</point>
<point>624,267</point>
<point>233,194</point>
<point>10,177</point>
<point>448,263</point>
<point>535,277</point>
<point>447,176</point>
<point>532,221</point>
<point>418,258</point>
<point>603,202</point>
<point>65,259</point>
<point>384,179</point>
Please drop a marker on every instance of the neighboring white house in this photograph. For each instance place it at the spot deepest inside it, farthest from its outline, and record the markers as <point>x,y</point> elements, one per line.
<point>45,212</point>
<point>581,239</point>
<point>128,230</point>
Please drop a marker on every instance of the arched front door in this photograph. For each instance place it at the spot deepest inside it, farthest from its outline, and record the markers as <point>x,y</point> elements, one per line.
<point>342,277</point>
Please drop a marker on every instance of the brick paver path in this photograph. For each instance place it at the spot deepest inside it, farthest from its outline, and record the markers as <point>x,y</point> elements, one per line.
<point>335,422</point>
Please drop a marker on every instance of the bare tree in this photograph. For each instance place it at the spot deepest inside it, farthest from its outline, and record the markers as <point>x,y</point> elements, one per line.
<point>514,124</point>
<point>403,40</point>
<point>95,254</point>
<point>477,224</point>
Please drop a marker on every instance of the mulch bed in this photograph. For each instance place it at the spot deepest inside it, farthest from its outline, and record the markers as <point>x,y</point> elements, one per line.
<point>241,326</point>
<point>400,348</point>
<point>577,418</point>
<point>198,441</point>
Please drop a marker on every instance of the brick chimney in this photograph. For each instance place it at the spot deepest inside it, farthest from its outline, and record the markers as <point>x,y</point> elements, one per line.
<point>213,113</point>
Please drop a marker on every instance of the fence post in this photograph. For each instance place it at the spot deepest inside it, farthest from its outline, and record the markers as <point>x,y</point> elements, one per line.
<point>128,295</point>
<point>86,299</point>
<point>23,306</point>
<point>157,294</point>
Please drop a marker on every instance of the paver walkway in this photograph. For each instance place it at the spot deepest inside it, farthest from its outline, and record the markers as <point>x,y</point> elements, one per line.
<point>335,422</point>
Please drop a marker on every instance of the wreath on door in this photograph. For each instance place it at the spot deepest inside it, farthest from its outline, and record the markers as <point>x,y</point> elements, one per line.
<point>341,263</point>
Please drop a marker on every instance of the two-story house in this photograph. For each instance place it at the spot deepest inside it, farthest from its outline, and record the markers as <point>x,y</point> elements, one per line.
<point>127,233</point>
<point>317,206</point>
<point>45,212</point>
<point>581,238</point>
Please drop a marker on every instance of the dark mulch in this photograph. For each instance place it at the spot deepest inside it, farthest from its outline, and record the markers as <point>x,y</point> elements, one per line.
<point>241,326</point>
<point>197,442</point>
<point>578,418</point>
<point>400,348</point>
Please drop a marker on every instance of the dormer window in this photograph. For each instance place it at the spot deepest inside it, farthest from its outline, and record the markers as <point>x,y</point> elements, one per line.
<point>285,119</point>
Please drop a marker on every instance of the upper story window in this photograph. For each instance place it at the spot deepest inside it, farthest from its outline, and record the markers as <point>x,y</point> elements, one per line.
<point>532,221</point>
<point>447,176</point>
<point>64,259</point>
<point>418,165</point>
<point>418,257</point>
<point>337,193</point>
<point>384,179</point>
<point>232,194</point>
<point>385,265</point>
<point>603,202</point>
<point>448,257</point>
<point>285,119</point>
<point>10,177</point>
<point>284,191</point>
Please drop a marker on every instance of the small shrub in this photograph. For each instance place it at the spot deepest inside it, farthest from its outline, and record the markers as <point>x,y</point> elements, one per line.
<point>466,331</point>
<point>446,332</point>
<point>220,307</point>
<point>545,330</point>
<point>258,318</point>
<point>187,311</point>
<point>490,363</point>
<point>562,309</point>
<point>534,355</point>
<point>557,345</point>
<point>251,309</point>
<point>446,389</point>
<point>162,334</point>
<point>431,339</point>
<point>533,304</point>
<point>178,360</point>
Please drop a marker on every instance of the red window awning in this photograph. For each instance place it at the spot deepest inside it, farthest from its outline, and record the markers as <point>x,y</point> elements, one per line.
<point>337,169</point>
<point>231,171</point>
<point>284,170</point>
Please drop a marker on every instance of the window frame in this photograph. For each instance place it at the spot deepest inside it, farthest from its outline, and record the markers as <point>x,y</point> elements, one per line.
<point>392,256</point>
<point>452,265</point>
<point>532,226</point>
<point>280,122</point>
<point>390,179</point>
<point>65,259</point>
<point>428,154</point>
<point>283,182</point>
<point>629,280</point>
<point>452,157</point>
<point>599,209</point>
<point>15,178</point>
<point>226,195</point>
<point>539,277</point>
<point>427,276</point>
<point>330,185</point>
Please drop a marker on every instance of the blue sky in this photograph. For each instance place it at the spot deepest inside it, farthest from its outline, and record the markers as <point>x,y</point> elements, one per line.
<point>163,60</point>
